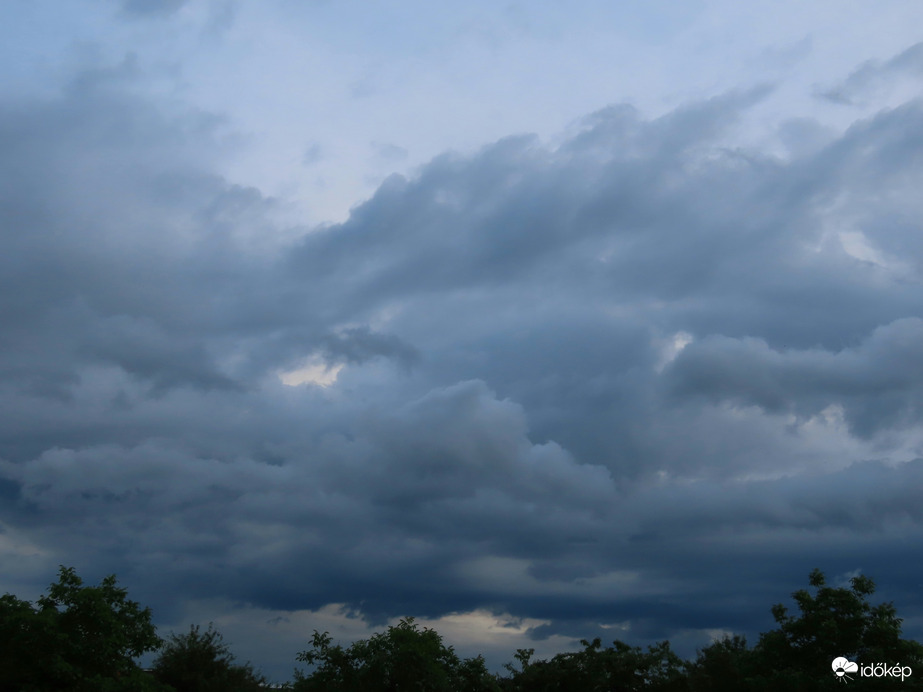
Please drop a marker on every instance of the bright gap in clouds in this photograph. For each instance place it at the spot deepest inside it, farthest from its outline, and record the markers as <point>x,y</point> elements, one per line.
<point>278,635</point>
<point>314,371</point>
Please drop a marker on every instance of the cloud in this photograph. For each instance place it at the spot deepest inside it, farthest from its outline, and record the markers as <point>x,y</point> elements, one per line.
<point>634,381</point>
<point>877,383</point>
<point>313,154</point>
<point>389,153</point>
<point>359,344</point>
<point>151,8</point>
<point>872,76</point>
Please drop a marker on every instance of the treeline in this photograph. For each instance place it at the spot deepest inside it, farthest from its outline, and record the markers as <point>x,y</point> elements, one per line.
<point>87,639</point>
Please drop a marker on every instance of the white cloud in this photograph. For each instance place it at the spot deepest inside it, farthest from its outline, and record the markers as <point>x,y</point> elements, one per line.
<point>314,371</point>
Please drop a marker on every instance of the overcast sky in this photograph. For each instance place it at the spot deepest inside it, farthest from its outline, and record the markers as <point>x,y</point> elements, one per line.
<point>536,321</point>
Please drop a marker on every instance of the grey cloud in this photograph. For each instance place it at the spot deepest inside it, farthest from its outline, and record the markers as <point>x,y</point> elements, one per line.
<point>385,485</point>
<point>313,154</point>
<point>389,153</point>
<point>875,73</point>
<point>151,8</point>
<point>359,344</point>
<point>141,350</point>
<point>878,383</point>
<point>804,136</point>
<point>863,498</point>
<point>637,377</point>
<point>112,231</point>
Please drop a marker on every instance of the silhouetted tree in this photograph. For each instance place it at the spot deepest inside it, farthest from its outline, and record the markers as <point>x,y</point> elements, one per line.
<point>619,668</point>
<point>76,637</point>
<point>725,665</point>
<point>79,638</point>
<point>797,656</point>
<point>834,622</point>
<point>201,662</point>
<point>402,658</point>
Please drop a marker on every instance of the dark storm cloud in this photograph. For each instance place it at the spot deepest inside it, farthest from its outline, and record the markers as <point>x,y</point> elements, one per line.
<point>878,383</point>
<point>359,344</point>
<point>635,378</point>
<point>120,248</point>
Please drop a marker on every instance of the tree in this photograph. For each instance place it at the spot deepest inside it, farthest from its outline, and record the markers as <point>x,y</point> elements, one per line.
<point>619,668</point>
<point>76,638</point>
<point>23,632</point>
<point>725,665</point>
<point>833,622</point>
<point>402,658</point>
<point>201,662</point>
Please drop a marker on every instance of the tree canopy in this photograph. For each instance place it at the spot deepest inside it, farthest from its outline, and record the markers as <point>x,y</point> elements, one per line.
<point>620,668</point>
<point>404,657</point>
<point>84,638</point>
<point>833,622</point>
<point>201,662</point>
<point>75,637</point>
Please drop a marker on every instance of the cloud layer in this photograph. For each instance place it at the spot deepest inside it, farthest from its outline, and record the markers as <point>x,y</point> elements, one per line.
<point>644,376</point>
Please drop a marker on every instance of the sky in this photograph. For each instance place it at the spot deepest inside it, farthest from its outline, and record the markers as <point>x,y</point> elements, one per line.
<point>533,321</point>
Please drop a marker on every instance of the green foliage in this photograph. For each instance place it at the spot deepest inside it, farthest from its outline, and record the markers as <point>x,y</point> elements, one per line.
<point>79,638</point>
<point>473,676</point>
<point>834,622</point>
<point>75,637</point>
<point>794,657</point>
<point>726,665</point>
<point>797,655</point>
<point>201,662</point>
<point>620,668</point>
<point>404,657</point>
